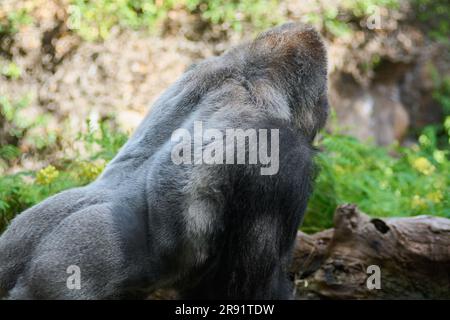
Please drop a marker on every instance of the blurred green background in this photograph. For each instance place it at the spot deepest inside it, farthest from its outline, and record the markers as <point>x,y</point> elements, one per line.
<point>77,76</point>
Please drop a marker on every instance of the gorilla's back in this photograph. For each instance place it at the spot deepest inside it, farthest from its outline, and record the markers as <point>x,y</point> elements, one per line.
<point>210,230</point>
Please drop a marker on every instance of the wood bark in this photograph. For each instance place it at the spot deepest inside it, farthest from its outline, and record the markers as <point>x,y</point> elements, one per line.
<point>413,256</point>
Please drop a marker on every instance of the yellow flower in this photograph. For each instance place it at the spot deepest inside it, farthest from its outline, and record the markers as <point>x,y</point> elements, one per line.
<point>423,166</point>
<point>418,202</point>
<point>47,175</point>
<point>435,196</point>
<point>90,170</point>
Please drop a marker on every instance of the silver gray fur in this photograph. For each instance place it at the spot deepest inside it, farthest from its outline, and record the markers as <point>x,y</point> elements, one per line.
<point>147,223</point>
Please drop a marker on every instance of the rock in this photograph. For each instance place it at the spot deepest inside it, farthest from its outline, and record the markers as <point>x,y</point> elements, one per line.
<point>375,112</point>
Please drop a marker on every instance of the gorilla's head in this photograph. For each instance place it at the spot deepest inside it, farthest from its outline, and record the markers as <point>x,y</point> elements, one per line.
<point>288,61</point>
<point>295,58</point>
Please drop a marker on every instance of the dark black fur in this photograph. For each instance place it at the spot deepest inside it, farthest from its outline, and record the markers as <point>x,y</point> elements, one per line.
<point>261,219</point>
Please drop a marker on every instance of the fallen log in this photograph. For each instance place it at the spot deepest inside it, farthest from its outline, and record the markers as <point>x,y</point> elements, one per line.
<point>371,258</point>
<point>409,256</point>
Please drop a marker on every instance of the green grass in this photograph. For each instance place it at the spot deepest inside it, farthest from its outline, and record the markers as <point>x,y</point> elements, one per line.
<point>383,182</point>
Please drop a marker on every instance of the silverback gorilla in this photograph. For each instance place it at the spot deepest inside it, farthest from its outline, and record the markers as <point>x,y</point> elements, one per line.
<point>209,231</point>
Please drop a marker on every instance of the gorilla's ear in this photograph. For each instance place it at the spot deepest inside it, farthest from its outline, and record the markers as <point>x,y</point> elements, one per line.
<point>290,41</point>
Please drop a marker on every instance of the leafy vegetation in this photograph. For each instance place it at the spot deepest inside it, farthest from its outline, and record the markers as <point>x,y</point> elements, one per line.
<point>384,182</point>
<point>17,129</point>
<point>94,20</point>
<point>260,14</point>
<point>339,19</point>
<point>11,21</point>
<point>441,92</point>
<point>394,181</point>
<point>434,15</point>
<point>24,189</point>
